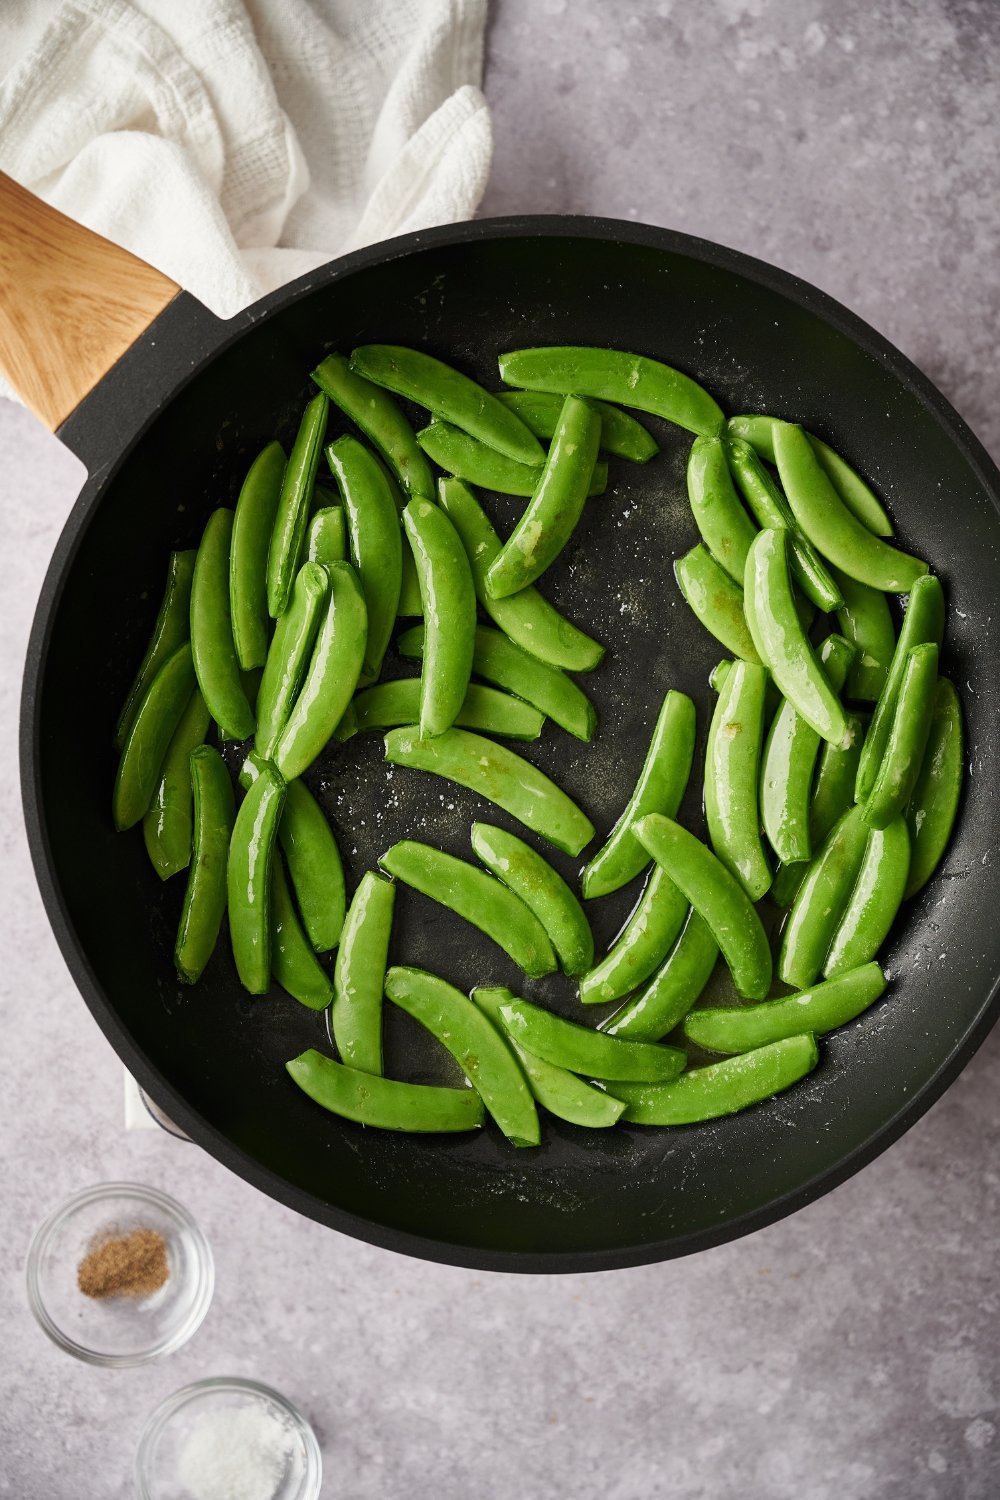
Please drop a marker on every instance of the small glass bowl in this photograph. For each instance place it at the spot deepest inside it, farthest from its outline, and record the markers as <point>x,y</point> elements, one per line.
<point>167,1449</point>
<point>118,1330</point>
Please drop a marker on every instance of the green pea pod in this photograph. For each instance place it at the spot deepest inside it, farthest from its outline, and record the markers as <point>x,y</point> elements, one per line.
<point>923,623</point>
<point>448,394</point>
<point>822,901</point>
<point>556,1089</point>
<point>614,375</point>
<point>725,527</point>
<point>783,642</point>
<point>215,660</point>
<point>643,944</point>
<point>716,600</point>
<point>732,775</point>
<point>833,794</point>
<point>526,618</point>
<point>449,610</point>
<point>866,622</point>
<point>542,889</point>
<point>410,602</point>
<point>205,896</point>
<point>380,419</point>
<point>673,990</point>
<point>721,1089</point>
<point>717,896</point>
<point>502,662</point>
<point>359,974</point>
<point>326,539</point>
<point>772,511</point>
<point>293,962</point>
<point>874,901</point>
<point>289,655</point>
<point>772,697</point>
<point>479,898</point>
<point>621,434</point>
<point>332,677</point>
<point>384,1103</point>
<point>348,726</point>
<point>467,458</point>
<point>556,505</point>
<point>484,709</point>
<point>172,629</point>
<point>911,727</point>
<point>933,804</point>
<point>251,852</point>
<point>759,433</point>
<point>250,683</point>
<point>252,528</point>
<point>662,783</point>
<point>496,773</point>
<point>149,737</point>
<point>292,515</point>
<point>475,1044</point>
<point>376,544</point>
<point>820,1009</point>
<point>828,523</point>
<point>581,1050</point>
<point>167,825</point>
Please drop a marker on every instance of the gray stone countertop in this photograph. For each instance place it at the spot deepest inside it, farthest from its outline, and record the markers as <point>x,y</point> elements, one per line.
<point>847,1353</point>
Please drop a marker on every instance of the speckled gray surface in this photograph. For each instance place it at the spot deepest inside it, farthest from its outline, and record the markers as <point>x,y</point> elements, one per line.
<point>848,1353</point>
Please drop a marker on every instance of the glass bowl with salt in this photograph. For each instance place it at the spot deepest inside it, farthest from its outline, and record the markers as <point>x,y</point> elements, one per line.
<point>226,1438</point>
<point>119,1274</point>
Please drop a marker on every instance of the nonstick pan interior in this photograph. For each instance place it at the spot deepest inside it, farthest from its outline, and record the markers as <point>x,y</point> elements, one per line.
<point>214,1056</point>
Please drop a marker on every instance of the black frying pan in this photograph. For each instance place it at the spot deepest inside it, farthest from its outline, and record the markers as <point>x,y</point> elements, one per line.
<point>168,434</point>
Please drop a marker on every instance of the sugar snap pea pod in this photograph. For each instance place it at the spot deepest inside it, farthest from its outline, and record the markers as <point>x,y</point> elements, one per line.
<point>672,991</point>
<point>819,1009</point>
<point>716,600</point>
<point>641,947</point>
<point>359,974</point>
<point>771,510</point>
<point>783,642</point>
<point>732,774</point>
<point>558,1090</point>
<point>449,610</point>
<point>662,783</point>
<point>380,419</point>
<point>205,897</point>
<point>214,652</point>
<point>449,395</point>
<point>149,737</point>
<point>252,528</point>
<point>933,804</point>
<point>314,866</point>
<point>474,1042</point>
<point>865,620</point>
<point>376,545</point>
<point>526,617</point>
<point>833,794</point>
<point>326,539</point>
<point>332,677</point>
<point>725,527</point>
<point>292,514</point>
<point>501,661</point>
<point>250,683</point>
<point>556,505</point>
<point>621,434</point>
<point>542,889</point>
<point>485,709</point>
<point>410,602</point>
<point>759,433</point>
<point>496,773</point>
<point>293,962</point>
<point>772,697</point>
<point>383,1102</point>
<point>614,375</point>
<point>479,898</point>
<point>911,727</point>
<point>166,826</point>
<point>874,901</point>
<point>251,851</point>
<point>467,458</point>
<point>323,498</point>
<point>289,655</point>
<point>717,896</point>
<point>581,1050</point>
<point>721,1089</point>
<point>828,523</point>
<point>822,901</point>
<point>348,726</point>
<point>922,623</point>
<point>172,629</point>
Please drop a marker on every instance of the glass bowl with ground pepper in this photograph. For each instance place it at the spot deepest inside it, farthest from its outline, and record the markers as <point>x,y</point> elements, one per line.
<point>119,1274</point>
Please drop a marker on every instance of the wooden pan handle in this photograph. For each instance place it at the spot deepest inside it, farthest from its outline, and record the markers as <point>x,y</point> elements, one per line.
<point>71,303</point>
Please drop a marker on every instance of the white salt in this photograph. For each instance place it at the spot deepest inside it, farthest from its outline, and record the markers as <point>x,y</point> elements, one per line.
<point>236,1453</point>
